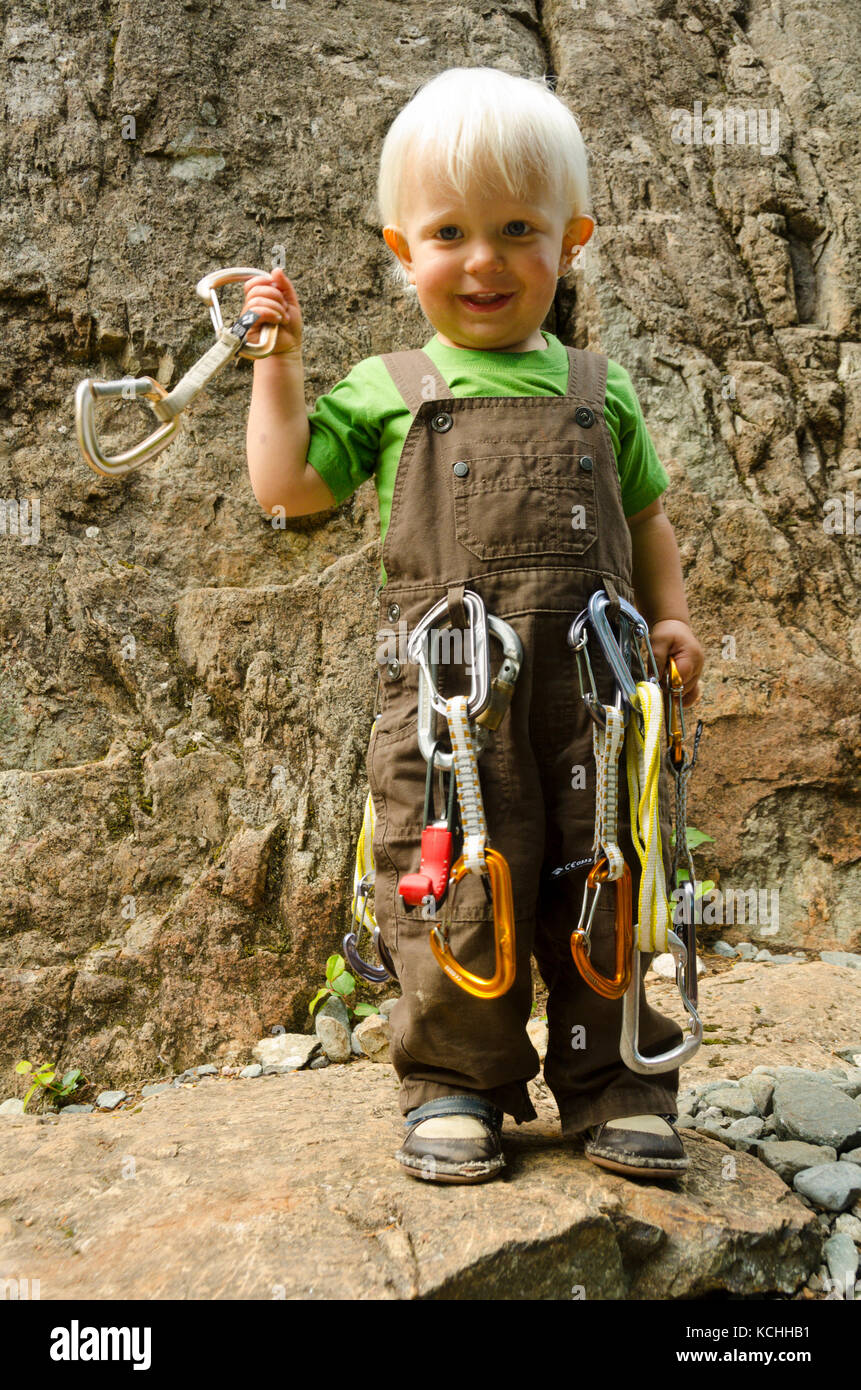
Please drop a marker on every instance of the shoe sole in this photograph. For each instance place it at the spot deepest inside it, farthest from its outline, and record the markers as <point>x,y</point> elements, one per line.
<point>438,1172</point>
<point>630,1170</point>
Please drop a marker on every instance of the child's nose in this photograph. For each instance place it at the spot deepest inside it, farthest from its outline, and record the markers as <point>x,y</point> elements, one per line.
<point>484,255</point>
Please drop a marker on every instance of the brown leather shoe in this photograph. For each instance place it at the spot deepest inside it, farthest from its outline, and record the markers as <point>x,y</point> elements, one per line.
<point>637,1153</point>
<point>440,1159</point>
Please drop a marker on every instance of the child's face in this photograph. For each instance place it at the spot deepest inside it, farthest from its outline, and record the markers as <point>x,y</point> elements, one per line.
<point>454,249</point>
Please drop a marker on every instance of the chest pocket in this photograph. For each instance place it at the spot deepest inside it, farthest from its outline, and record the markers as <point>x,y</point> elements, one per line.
<point>517,504</point>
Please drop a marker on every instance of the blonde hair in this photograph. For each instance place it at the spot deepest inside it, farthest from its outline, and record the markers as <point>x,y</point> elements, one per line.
<point>479,129</point>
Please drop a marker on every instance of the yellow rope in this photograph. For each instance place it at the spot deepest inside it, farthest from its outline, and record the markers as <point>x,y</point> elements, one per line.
<point>643,762</point>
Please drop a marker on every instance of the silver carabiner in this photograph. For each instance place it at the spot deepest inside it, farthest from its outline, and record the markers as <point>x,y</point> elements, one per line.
<point>578,640</point>
<point>500,694</point>
<point>479,665</point>
<point>629,1041</point>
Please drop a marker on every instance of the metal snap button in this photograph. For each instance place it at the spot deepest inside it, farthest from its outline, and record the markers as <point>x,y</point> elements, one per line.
<point>393,669</point>
<point>441,422</point>
<point>586,463</point>
<point>394,612</point>
<point>584,416</point>
<point>461,469</point>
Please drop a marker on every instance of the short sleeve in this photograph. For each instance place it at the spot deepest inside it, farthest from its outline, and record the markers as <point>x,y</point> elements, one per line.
<point>345,432</point>
<point>642,476</point>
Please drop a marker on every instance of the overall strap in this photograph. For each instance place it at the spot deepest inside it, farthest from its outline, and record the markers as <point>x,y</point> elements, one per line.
<point>587,379</point>
<point>416,377</point>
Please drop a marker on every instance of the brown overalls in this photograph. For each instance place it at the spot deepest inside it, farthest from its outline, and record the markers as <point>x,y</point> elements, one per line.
<point>502,526</point>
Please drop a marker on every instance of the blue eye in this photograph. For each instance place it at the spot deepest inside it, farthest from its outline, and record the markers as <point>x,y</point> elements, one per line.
<point>513,226</point>
<point>442,232</point>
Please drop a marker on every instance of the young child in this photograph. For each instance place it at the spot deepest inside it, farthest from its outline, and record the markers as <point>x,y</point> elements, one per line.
<point>511,465</point>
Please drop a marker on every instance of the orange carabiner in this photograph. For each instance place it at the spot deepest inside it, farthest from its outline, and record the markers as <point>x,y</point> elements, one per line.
<point>609,987</point>
<point>503,932</point>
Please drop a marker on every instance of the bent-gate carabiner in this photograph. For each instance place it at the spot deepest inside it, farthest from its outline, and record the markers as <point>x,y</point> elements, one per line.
<point>374,974</point>
<point>206,288</point>
<point>503,932</point>
<point>608,986</point>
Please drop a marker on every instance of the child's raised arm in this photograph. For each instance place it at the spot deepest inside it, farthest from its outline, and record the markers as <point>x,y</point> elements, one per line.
<point>278,432</point>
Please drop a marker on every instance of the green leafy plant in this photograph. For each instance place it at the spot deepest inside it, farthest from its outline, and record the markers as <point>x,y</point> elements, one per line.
<point>44,1079</point>
<point>342,984</point>
<point>695,838</point>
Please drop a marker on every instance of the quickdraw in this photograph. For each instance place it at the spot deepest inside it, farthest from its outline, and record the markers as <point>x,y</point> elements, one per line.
<point>681,767</point>
<point>168,406</point>
<point>463,715</point>
<point>655,920</point>
<point>364,875</point>
<point>608,731</point>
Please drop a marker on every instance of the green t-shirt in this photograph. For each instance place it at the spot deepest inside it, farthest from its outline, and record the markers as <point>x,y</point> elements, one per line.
<point>358,428</point>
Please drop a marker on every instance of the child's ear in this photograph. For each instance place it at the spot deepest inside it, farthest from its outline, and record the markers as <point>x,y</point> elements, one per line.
<point>577,233</point>
<point>397,242</point>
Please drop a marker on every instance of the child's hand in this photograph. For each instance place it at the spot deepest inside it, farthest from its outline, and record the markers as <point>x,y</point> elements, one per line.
<point>274,299</point>
<point>673,638</point>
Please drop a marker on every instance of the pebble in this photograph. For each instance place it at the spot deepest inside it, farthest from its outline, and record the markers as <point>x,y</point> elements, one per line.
<point>77,1109</point>
<point>355,1045</point>
<point>833,1186</point>
<point>841,1257</point>
<point>335,1038</point>
<point>319,1062</point>
<point>13,1106</point>
<point>665,965</point>
<point>154,1089</point>
<point>286,1049</point>
<point>109,1100</point>
<point>254,1069</point>
<point>852,1156</point>
<point>788,1157</point>
<point>374,1033</point>
<point>334,1008</point>
<point>732,1100</point>
<point>744,1131</point>
<point>387,1006</point>
<point>850,1225</point>
<point>708,1086</point>
<point>746,950</point>
<point>812,1109</point>
<point>762,1090</point>
<point>852,1085</point>
<point>723,948</point>
<point>332,1028</point>
<point>207,1070</point>
<point>841,958</point>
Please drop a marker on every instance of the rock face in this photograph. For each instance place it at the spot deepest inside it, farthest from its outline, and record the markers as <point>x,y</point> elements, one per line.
<point>300,1198</point>
<point>188,689</point>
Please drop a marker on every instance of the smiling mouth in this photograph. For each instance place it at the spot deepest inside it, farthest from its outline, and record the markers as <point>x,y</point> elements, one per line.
<point>485,301</point>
